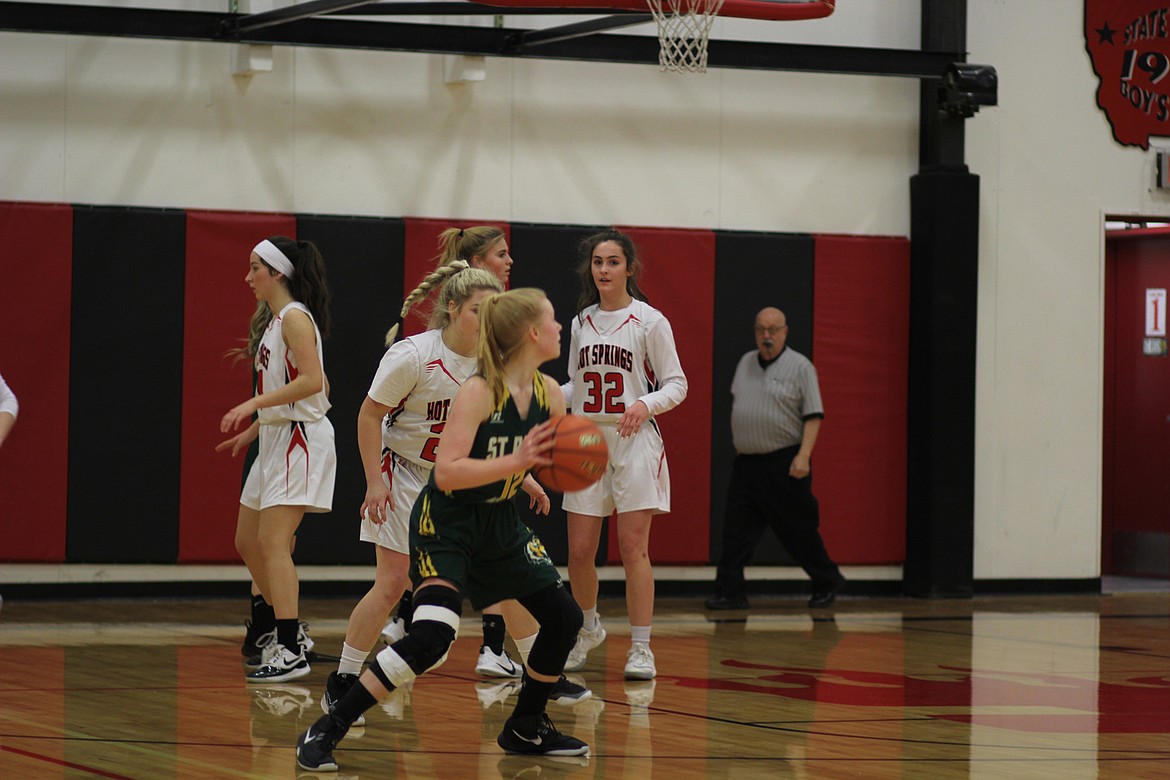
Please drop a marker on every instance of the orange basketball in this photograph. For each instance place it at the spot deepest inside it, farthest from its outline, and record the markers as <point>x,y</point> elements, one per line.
<point>579,455</point>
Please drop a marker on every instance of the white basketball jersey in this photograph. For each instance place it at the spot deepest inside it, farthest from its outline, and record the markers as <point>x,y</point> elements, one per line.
<point>619,357</point>
<point>276,367</point>
<point>418,378</point>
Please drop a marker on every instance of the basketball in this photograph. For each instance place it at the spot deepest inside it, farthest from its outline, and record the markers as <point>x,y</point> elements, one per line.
<point>579,455</point>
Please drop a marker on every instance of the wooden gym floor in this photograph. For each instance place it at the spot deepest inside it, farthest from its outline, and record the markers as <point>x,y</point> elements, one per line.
<point>997,687</point>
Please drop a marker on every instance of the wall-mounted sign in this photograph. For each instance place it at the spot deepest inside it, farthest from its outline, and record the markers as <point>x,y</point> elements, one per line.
<point>1155,311</point>
<point>1154,347</point>
<point>1129,44</point>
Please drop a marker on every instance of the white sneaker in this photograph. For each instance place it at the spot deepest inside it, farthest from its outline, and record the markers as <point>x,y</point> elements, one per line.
<point>492,665</point>
<point>279,664</point>
<point>586,641</point>
<point>394,630</point>
<point>640,662</point>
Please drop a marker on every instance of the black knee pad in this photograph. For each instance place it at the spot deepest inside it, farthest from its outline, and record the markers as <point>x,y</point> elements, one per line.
<point>560,619</point>
<point>433,628</point>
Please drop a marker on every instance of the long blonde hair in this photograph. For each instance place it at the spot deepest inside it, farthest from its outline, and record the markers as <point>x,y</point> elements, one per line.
<point>504,322</point>
<point>457,247</point>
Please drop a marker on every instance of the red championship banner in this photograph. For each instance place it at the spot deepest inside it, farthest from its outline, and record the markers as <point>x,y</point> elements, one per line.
<point>1129,44</point>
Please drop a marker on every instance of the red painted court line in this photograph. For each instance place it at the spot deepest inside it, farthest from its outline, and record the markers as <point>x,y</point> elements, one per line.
<point>59,762</point>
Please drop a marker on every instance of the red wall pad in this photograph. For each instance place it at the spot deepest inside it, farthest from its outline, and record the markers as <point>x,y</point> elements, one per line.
<point>679,278</point>
<point>216,308</point>
<point>36,260</point>
<point>861,342</point>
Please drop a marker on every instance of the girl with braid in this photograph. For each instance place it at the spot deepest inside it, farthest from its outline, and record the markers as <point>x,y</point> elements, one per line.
<point>295,469</point>
<point>467,538</point>
<point>485,247</point>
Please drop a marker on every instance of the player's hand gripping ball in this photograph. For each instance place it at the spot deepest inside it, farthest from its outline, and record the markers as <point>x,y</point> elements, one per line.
<point>579,455</point>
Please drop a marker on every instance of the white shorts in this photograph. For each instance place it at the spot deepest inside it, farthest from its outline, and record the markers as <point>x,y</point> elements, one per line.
<point>296,466</point>
<point>406,481</point>
<point>637,477</point>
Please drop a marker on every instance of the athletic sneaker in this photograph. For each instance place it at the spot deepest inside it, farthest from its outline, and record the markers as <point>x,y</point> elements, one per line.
<point>492,665</point>
<point>315,746</point>
<point>279,664</point>
<point>394,630</point>
<point>640,662</point>
<point>252,662</point>
<point>568,693</point>
<point>586,641</point>
<point>536,735</point>
<point>336,687</point>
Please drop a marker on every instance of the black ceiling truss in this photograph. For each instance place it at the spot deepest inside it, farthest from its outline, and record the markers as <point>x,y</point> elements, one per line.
<point>327,23</point>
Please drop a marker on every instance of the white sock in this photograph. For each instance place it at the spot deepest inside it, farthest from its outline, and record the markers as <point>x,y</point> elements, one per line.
<point>352,659</point>
<point>591,619</point>
<point>640,634</point>
<point>524,646</point>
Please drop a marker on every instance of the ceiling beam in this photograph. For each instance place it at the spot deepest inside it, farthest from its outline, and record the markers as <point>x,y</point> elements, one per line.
<point>339,33</point>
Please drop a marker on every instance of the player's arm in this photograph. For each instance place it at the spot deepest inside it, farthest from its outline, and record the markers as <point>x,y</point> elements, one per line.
<point>663,356</point>
<point>369,436</point>
<point>538,499</point>
<point>301,337</point>
<point>455,469</point>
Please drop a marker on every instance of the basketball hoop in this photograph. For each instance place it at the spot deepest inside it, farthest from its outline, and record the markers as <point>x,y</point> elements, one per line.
<point>683,29</point>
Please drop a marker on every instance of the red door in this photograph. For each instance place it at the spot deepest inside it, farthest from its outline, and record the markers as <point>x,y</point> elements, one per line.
<point>1136,480</point>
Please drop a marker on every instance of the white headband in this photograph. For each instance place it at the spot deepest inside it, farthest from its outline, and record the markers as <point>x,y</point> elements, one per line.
<point>274,257</point>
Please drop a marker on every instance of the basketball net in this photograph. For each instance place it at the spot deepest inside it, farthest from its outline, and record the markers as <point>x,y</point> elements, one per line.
<point>683,28</point>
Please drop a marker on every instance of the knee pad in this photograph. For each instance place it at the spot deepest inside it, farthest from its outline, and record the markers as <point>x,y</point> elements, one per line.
<point>433,628</point>
<point>560,619</point>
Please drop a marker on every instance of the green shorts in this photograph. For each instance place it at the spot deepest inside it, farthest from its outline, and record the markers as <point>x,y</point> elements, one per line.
<point>484,549</point>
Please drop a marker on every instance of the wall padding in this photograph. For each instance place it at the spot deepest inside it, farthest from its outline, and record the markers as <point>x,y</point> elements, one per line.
<point>36,264</point>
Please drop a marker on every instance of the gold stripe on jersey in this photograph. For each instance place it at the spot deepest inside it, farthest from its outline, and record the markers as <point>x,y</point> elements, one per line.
<point>540,391</point>
<point>426,525</point>
<point>425,567</point>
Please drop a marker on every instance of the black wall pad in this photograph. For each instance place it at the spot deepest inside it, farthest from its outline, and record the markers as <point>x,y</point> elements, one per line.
<point>752,270</point>
<point>940,500</point>
<point>364,263</point>
<point>125,386</point>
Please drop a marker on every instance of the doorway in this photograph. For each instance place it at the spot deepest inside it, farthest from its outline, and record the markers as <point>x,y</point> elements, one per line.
<point>1135,538</point>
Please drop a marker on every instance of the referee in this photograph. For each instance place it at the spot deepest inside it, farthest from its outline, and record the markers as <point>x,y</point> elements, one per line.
<point>776,413</point>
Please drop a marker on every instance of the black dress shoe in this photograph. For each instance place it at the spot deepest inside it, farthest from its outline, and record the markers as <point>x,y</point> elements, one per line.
<point>825,595</point>
<point>726,602</point>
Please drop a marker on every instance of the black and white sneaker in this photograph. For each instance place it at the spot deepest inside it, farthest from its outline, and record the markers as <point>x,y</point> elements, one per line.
<point>568,693</point>
<point>252,660</point>
<point>336,687</point>
<point>279,664</point>
<point>536,735</point>
<point>492,665</point>
<point>315,746</point>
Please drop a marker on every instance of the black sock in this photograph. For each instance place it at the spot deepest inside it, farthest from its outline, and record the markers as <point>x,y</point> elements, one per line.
<point>532,698</point>
<point>493,632</point>
<point>355,701</point>
<point>406,608</point>
<point>263,616</point>
<point>286,633</point>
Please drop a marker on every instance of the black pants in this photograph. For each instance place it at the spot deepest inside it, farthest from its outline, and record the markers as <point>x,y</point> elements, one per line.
<point>762,495</point>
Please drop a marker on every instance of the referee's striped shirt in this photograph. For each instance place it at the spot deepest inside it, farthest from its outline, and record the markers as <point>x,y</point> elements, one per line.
<point>771,404</point>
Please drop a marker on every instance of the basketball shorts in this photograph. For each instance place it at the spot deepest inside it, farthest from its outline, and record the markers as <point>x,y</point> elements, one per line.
<point>637,477</point>
<point>296,466</point>
<point>405,480</point>
<point>484,549</point>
